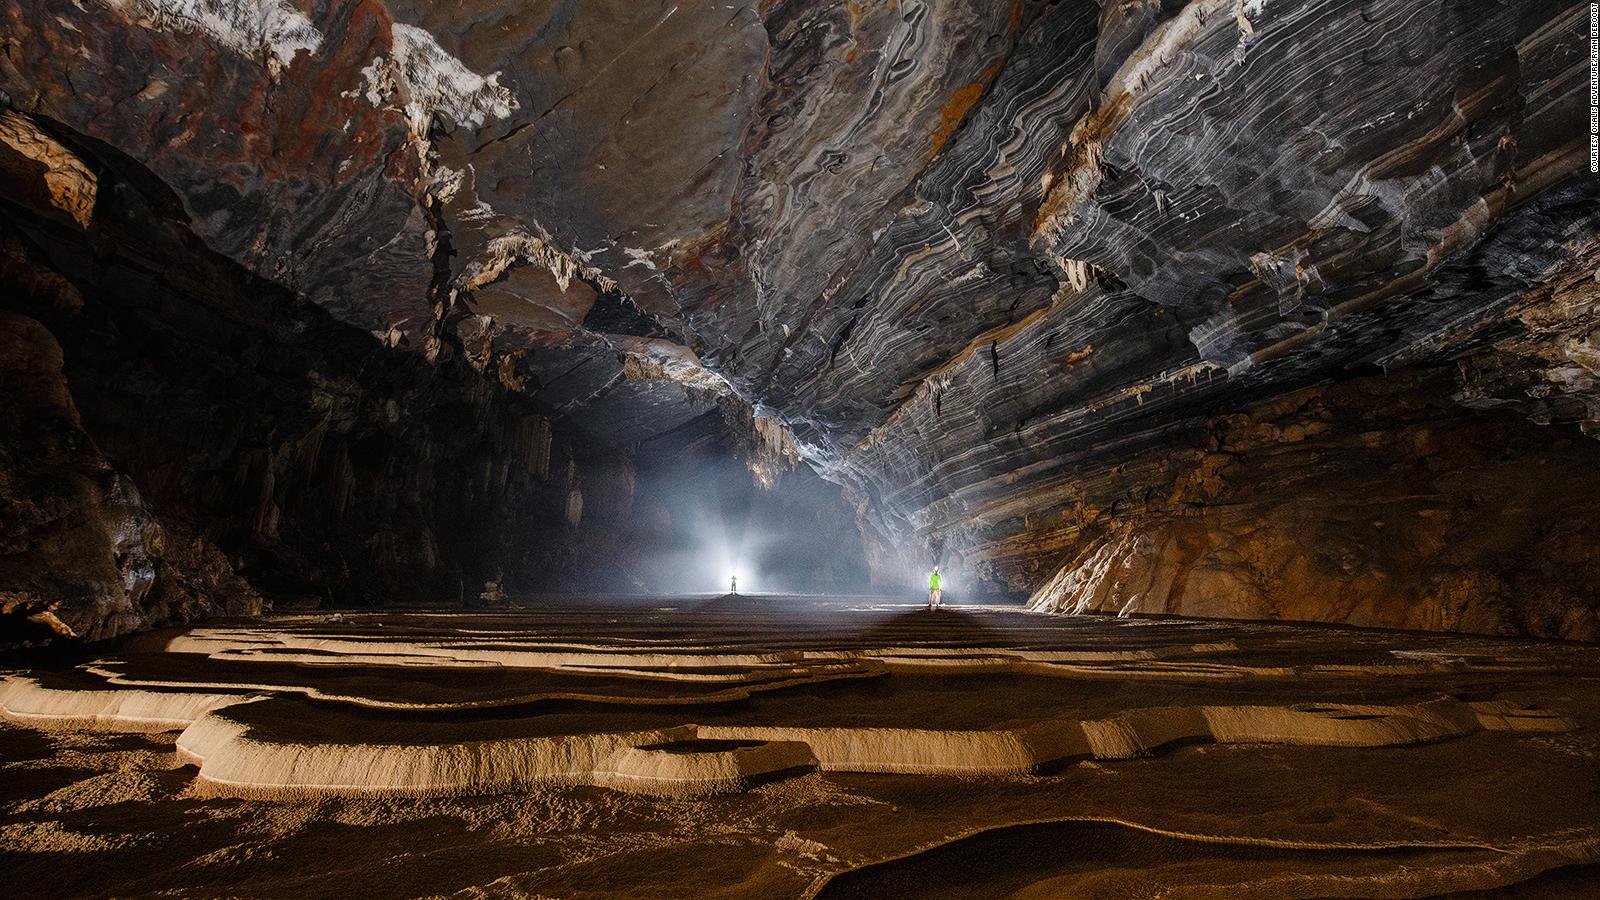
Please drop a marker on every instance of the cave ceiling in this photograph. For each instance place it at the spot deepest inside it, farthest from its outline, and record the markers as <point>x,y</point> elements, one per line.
<point>940,242</point>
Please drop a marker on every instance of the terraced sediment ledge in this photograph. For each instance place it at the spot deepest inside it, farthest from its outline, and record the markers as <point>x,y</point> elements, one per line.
<point>248,758</point>
<point>836,737</point>
<point>423,705</point>
<point>27,700</point>
<point>265,749</point>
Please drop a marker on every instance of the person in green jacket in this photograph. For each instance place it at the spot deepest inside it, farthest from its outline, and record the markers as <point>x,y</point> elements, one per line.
<point>935,588</point>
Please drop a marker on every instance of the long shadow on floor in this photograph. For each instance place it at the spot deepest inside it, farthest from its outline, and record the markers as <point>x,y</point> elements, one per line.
<point>946,625</point>
<point>738,603</point>
<point>1076,859</point>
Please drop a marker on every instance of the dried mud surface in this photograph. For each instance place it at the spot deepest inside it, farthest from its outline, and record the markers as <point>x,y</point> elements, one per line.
<point>784,746</point>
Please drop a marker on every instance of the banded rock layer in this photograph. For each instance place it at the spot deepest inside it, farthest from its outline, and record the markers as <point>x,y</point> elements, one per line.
<point>984,264</point>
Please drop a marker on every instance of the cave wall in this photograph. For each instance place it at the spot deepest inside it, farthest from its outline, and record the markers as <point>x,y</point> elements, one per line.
<point>980,467</point>
<point>81,553</point>
<point>187,437</point>
<point>1374,502</point>
<point>183,434</point>
<point>963,258</point>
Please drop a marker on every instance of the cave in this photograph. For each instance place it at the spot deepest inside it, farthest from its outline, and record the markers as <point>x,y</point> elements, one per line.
<point>806,448</point>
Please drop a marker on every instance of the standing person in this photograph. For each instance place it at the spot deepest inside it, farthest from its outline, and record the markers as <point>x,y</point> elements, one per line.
<point>733,584</point>
<point>935,588</point>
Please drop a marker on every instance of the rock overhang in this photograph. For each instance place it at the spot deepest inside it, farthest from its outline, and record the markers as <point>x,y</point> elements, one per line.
<point>946,248</point>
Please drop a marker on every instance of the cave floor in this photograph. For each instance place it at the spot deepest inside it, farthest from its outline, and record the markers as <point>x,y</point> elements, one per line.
<point>773,746</point>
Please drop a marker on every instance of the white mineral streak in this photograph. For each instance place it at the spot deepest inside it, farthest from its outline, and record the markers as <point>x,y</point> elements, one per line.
<point>429,81</point>
<point>1078,587</point>
<point>522,246</point>
<point>245,26</point>
<point>1218,338</point>
<point>446,183</point>
<point>645,359</point>
<point>638,257</point>
<point>1077,272</point>
<point>975,273</point>
<point>1241,14</point>
<point>1166,44</point>
<point>776,450</point>
<point>479,211</point>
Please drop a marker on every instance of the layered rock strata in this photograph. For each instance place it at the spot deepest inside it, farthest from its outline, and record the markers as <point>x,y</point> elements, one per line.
<point>958,257</point>
<point>1374,502</point>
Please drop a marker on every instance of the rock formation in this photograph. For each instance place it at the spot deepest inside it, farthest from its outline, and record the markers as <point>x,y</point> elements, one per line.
<point>573,749</point>
<point>261,739</point>
<point>1256,308</point>
<point>1373,502</point>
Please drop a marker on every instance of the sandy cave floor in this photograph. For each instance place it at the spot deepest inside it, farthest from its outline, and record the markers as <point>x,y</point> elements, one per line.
<point>785,746</point>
